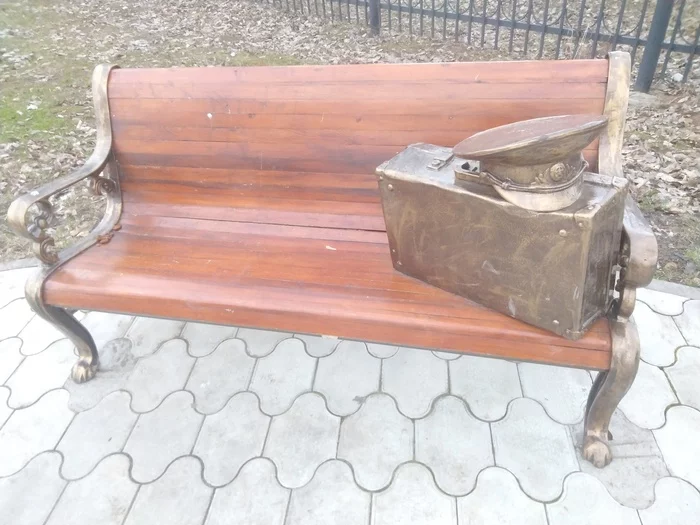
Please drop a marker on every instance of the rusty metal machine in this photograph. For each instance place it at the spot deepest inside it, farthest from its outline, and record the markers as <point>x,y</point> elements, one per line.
<point>512,219</point>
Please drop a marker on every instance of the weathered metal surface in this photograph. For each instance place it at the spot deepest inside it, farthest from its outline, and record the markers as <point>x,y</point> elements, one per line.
<point>31,216</point>
<point>553,270</point>
<point>536,164</point>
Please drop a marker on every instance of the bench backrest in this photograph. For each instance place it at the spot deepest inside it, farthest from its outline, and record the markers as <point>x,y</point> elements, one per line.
<point>299,145</point>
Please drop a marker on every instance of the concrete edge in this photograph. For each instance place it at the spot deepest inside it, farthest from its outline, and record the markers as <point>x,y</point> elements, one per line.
<point>18,264</point>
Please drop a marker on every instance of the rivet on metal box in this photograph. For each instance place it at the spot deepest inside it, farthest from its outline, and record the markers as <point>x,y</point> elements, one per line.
<point>511,218</point>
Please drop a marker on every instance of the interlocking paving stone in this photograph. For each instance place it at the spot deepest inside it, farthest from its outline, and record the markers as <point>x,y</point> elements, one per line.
<point>487,385</point>
<point>689,322</point>
<point>159,374</point>
<point>5,410</point>
<point>32,430</point>
<point>562,391</point>
<point>103,497</point>
<point>414,378</point>
<point>260,343</point>
<point>658,336</point>
<point>96,433</point>
<point>105,327</point>
<point>38,335</point>
<point>39,373</point>
<point>537,450</point>
<point>375,440</point>
<point>13,317</point>
<point>231,437</point>
<point>347,377</point>
<point>661,302</point>
<point>685,376</point>
<point>253,498</point>
<point>447,356</point>
<point>331,497</point>
<point>677,503</point>
<point>178,498</point>
<point>637,463</point>
<point>317,346</point>
<point>27,497</point>
<point>163,435</point>
<point>679,441</point>
<point>586,502</point>
<point>221,374</point>
<point>454,445</point>
<point>204,338</point>
<point>301,439</point>
<point>116,363</point>
<point>647,399</point>
<point>280,377</point>
<point>10,357</point>
<point>12,284</point>
<point>413,498</point>
<point>382,351</point>
<point>149,334</point>
<point>498,500</point>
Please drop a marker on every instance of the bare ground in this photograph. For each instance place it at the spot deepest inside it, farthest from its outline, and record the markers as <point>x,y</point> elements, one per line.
<point>48,50</point>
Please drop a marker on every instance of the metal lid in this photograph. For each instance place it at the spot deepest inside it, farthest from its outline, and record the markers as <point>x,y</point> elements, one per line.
<point>535,164</point>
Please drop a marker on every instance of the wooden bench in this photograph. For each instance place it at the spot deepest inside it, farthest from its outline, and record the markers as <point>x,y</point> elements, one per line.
<point>247,196</point>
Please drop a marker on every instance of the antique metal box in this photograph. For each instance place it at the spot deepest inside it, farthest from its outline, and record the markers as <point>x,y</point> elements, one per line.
<point>555,270</point>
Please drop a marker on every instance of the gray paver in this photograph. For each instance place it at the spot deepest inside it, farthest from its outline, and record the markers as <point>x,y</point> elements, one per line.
<point>260,343</point>
<point>5,410</point>
<point>39,373</point>
<point>658,336</point>
<point>562,391</point>
<point>10,357</point>
<point>375,440</point>
<point>413,498</point>
<point>27,497</point>
<point>253,498</point>
<point>414,378</point>
<point>159,374</point>
<point>38,335</point>
<point>103,497</point>
<point>454,445</point>
<point>96,433</point>
<point>178,498</point>
<point>447,356</point>
<point>330,497</point>
<point>685,376</point>
<point>689,322</point>
<point>487,385</point>
<point>301,439</point>
<point>231,437</point>
<point>204,338</point>
<point>648,397</point>
<point>163,435</point>
<point>661,302</point>
<point>677,503</point>
<point>280,377</point>
<point>149,334</point>
<point>382,351</point>
<point>347,376</point>
<point>105,327</point>
<point>33,430</point>
<point>679,441</point>
<point>13,317</point>
<point>537,450</point>
<point>319,346</point>
<point>498,500</point>
<point>12,284</point>
<point>586,502</point>
<point>219,375</point>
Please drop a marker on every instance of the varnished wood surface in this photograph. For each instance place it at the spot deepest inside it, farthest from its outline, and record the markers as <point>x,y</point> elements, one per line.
<point>250,198</point>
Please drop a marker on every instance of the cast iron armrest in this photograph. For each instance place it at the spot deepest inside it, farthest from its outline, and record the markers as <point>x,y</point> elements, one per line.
<point>638,255</point>
<point>98,169</point>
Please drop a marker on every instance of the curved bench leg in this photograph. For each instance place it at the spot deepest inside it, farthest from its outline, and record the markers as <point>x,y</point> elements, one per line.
<point>88,361</point>
<point>608,390</point>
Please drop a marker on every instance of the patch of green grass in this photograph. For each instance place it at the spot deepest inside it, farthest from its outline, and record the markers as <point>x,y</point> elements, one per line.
<point>17,123</point>
<point>245,58</point>
<point>694,255</point>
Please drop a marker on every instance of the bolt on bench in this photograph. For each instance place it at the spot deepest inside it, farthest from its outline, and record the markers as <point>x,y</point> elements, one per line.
<point>247,196</point>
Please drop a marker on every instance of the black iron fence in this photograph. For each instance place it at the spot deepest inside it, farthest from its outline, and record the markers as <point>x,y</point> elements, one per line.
<point>538,28</point>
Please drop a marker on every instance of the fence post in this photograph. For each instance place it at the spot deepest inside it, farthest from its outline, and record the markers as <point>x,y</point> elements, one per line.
<point>652,48</point>
<point>374,16</point>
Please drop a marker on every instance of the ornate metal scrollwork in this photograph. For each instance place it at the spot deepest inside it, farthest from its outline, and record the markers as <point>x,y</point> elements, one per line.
<point>101,185</point>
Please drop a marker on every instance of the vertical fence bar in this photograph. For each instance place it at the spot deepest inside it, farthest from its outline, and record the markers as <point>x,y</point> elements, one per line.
<point>400,9</point>
<point>529,25</point>
<point>596,36</point>
<point>388,13</point>
<point>498,23</point>
<point>340,10</point>
<point>544,28</point>
<point>676,27</point>
<point>323,7</point>
<point>579,28</point>
<point>457,22</point>
<point>514,13</point>
<point>652,48</point>
<point>432,18</point>
<point>357,11</point>
<point>444,19</point>
<point>689,63</point>
<point>640,26</point>
<point>347,10</point>
<point>562,17</point>
<point>469,22</point>
<point>374,16</point>
<point>619,25</point>
<point>410,19</point>
<point>421,17</point>
<point>483,23</point>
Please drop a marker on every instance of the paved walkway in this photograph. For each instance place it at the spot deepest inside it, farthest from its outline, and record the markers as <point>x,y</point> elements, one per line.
<point>190,424</point>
